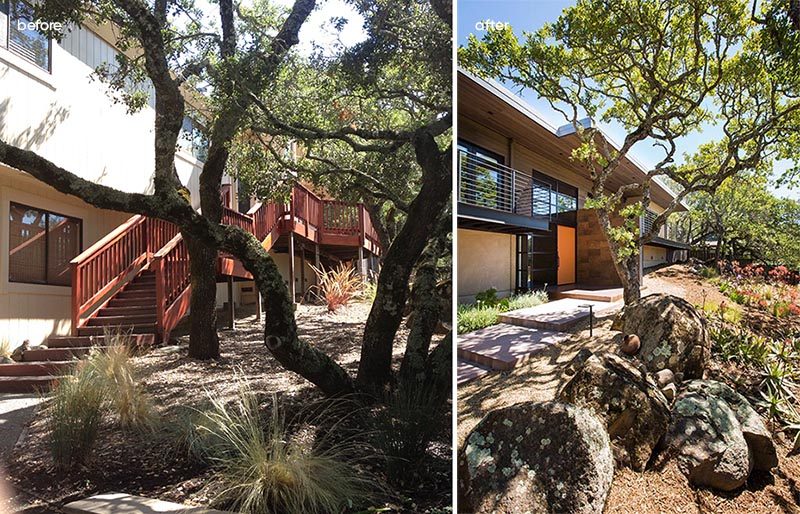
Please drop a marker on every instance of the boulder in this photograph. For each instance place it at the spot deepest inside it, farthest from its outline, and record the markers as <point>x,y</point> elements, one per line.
<point>536,457</point>
<point>671,332</point>
<point>706,439</point>
<point>758,438</point>
<point>624,395</point>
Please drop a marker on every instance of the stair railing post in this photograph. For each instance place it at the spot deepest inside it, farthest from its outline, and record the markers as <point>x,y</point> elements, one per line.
<point>77,294</point>
<point>158,265</point>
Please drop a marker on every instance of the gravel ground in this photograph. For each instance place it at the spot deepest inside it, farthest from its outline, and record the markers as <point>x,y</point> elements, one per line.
<point>150,465</point>
<point>654,491</point>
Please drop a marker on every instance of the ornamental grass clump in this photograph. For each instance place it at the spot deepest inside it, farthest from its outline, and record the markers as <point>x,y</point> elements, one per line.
<point>338,286</point>
<point>113,368</point>
<point>262,467</point>
<point>73,416</point>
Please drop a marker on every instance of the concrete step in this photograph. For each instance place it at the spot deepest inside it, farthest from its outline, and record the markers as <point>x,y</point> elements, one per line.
<point>119,503</point>
<point>469,371</point>
<point>609,295</point>
<point>113,321</point>
<point>503,346</point>
<point>558,315</point>
<point>144,328</point>
<point>26,384</point>
<point>56,354</point>
<point>35,369</point>
<point>140,340</point>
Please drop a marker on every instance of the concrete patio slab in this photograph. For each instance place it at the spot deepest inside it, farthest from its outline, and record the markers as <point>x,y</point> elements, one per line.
<point>559,315</point>
<point>504,346</point>
<point>121,503</point>
<point>469,371</point>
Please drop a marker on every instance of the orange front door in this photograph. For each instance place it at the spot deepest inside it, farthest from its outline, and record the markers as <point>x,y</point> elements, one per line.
<point>566,255</point>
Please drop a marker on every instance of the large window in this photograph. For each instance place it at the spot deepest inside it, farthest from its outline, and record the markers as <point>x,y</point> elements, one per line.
<point>20,38</point>
<point>41,244</point>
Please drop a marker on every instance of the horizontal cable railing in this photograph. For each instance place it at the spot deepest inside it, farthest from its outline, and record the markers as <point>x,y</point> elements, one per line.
<point>485,183</point>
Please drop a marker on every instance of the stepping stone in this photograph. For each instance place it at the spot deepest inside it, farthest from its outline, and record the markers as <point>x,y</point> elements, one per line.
<point>504,346</point>
<point>121,503</point>
<point>469,371</point>
<point>559,315</point>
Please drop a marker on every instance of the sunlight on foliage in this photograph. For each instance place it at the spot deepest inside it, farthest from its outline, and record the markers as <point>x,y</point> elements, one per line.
<point>338,286</point>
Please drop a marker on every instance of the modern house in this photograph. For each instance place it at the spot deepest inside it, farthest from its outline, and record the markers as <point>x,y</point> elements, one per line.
<point>522,224</point>
<point>71,270</point>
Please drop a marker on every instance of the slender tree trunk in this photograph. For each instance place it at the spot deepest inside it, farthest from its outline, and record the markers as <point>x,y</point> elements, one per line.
<point>632,279</point>
<point>427,311</point>
<point>203,338</point>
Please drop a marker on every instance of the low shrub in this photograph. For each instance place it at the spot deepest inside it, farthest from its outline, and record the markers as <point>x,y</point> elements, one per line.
<point>708,272</point>
<point>488,307</point>
<point>73,415</point>
<point>262,467</point>
<point>338,286</point>
<point>525,300</point>
<point>740,344</point>
<point>471,318</point>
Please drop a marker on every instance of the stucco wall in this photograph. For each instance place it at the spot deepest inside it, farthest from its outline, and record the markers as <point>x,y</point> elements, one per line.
<point>653,256</point>
<point>485,259</point>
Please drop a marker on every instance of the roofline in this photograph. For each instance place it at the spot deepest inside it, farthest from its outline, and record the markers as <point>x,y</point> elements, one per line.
<point>503,93</point>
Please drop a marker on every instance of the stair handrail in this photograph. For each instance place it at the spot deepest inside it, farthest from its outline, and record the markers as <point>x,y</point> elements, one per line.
<point>173,284</point>
<point>90,281</point>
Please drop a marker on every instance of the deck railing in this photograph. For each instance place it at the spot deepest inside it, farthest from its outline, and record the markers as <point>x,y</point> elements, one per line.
<point>485,183</point>
<point>670,231</point>
<point>237,219</point>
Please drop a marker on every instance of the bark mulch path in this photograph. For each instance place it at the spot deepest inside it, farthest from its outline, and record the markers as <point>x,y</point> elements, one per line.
<point>150,464</point>
<point>653,491</point>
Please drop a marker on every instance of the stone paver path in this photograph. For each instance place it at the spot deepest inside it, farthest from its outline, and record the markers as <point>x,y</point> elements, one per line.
<point>16,411</point>
<point>504,346</point>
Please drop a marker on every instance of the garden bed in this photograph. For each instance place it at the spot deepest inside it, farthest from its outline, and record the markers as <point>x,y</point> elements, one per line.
<point>153,465</point>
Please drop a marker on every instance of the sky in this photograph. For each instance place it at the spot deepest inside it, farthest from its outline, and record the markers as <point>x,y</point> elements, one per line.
<point>530,15</point>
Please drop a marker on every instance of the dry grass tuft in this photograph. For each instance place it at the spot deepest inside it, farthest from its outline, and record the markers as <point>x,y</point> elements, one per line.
<point>338,286</point>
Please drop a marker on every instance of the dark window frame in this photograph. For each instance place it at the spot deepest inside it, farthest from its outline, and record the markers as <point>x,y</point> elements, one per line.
<point>11,20</point>
<point>47,214</point>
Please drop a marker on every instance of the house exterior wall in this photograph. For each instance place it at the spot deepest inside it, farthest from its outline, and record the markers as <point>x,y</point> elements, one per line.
<point>653,256</point>
<point>70,120</point>
<point>485,260</point>
<point>35,311</point>
<point>595,265</point>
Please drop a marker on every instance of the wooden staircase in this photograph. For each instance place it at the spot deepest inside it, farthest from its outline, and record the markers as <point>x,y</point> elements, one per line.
<point>135,280</point>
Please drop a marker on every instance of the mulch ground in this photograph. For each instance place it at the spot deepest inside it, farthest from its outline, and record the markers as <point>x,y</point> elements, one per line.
<point>663,490</point>
<point>151,465</point>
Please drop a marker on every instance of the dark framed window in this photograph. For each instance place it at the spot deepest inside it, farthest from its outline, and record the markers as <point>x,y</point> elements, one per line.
<point>41,245</point>
<point>193,139</point>
<point>483,178</point>
<point>24,41</point>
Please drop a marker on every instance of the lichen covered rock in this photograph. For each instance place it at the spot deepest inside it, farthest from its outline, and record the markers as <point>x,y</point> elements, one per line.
<point>671,332</point>
<point>624,395</point>
<point>706,439</point>
<point>536,457</point>
<point>758,438</point>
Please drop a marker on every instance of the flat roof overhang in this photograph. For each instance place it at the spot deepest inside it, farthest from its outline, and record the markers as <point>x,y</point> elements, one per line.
<point>493,106</point>
<point>667,243</point>
<point>490,220</point>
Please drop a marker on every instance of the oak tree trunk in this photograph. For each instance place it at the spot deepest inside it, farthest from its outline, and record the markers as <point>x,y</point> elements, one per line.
<point>203,337</point>
<point>375,366</point>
